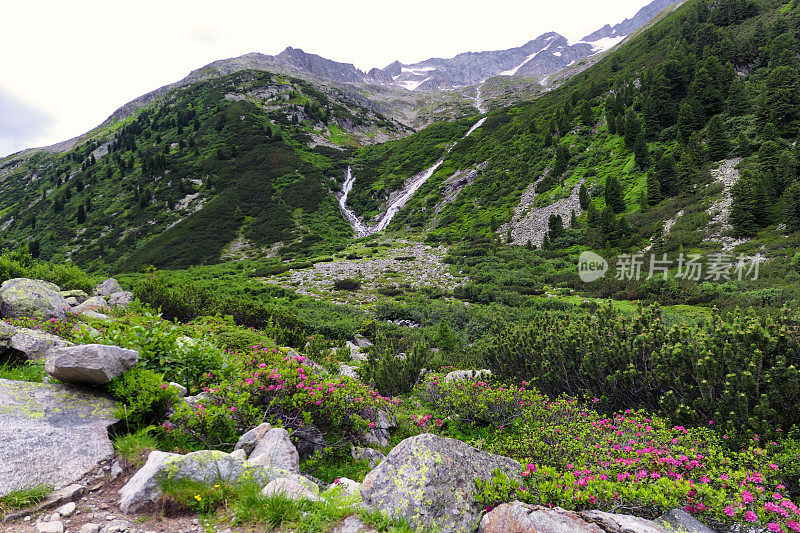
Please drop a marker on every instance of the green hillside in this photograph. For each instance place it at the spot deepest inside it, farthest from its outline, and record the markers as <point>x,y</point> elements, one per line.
<point>176,184</point>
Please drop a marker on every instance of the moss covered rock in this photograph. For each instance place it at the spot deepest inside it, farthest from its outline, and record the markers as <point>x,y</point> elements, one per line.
<point>430,481</point>
<point>23,297</point>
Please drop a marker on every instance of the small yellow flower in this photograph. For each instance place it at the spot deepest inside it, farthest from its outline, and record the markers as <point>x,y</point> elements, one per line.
<point>197,497</point>
<point>216,486</point>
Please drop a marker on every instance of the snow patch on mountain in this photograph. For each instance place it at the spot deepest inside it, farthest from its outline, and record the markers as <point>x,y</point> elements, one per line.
<point>514,70</point>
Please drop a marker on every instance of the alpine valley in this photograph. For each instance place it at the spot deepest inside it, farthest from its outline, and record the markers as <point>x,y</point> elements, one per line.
<point>549,288</point>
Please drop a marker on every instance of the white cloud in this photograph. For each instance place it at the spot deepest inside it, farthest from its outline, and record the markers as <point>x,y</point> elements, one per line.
<point>79,61</point>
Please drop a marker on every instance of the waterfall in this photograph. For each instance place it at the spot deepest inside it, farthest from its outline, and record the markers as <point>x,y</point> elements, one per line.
<point>411,186</point>
<point>358,226</point>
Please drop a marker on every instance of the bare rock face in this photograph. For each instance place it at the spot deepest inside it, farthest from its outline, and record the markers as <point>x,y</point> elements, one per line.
<point>430,481</point>
<point>22,297</point>
<point>94,364</point>
<point>524,518</point>
<point>107,287</point>
<point>50,434</point>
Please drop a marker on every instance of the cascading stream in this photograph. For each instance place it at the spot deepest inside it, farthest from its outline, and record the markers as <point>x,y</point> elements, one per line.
<point>411,186</point>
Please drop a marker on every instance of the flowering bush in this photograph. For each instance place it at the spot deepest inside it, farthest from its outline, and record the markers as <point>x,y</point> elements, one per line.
<point>579,459</point>
<point>273,385</point>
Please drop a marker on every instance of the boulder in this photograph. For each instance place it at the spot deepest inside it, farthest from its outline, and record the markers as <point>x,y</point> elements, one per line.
<point>143,488</point>
<point>77,296</point>
<point>205,466</point>
<point>22,297</point>
<point>95,315</point>
<point>179,389</point>
<point>95,364</point>
<point>239,454</point>
<point>622,523</point>
<point>362,342</point>
<point>348,371</point>
<point>95,303</point>
<point>524,518</point>
<point>372,456</point>
<point>49,432</point>
<point>461,375</point>
<point>34,343</point>
<point>275,450</point>
<point>248,441</point>
<point>107,287</point>
<point>7,331</point>
<point>356,354</point>
<point>430,481</point>
<point>291,488</point>
<point>120,299</point>
<point>680,520</point>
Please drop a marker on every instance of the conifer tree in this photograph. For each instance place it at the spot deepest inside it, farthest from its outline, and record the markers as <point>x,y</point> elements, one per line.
<point>613,195</point>
<point>640,151</point>
<point>592,216</point>
<point>586,114</point>
<point>81,217</point>
<point>653,188</point>
<point>562,157</point>
<point>743,145</point>
<point>555,227</point>
<point>583,197</point>
<point>791,206</point>
<point>632,128</point>
<point>718,145</point>
<point>666,176</point>
<point>738,103</point>
<point>748,209</point>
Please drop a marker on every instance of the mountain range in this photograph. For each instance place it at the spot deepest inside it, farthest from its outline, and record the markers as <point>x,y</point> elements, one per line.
<point>539,58</point>
<point>683,129</point>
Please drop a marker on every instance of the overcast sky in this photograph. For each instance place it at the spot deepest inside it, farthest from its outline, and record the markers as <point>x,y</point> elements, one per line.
<point>66,66</point>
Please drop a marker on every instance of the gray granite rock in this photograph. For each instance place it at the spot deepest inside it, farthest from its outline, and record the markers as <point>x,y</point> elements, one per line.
<point>50,434</point>
<point>430,481</point>
<point>89,363</point>
<point>680,520</point>
<point>120,299</point>
<point>95,304</point>
<point>524,518</point>
<point>206,466</point>
<point>23,297</point>
<point>275,450</point>
<point>292,489</point>
<point>371,455</point>
<point>249,440</point>
<point>35,344</point>
<point>107,288</point>
<point>621,523</point>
